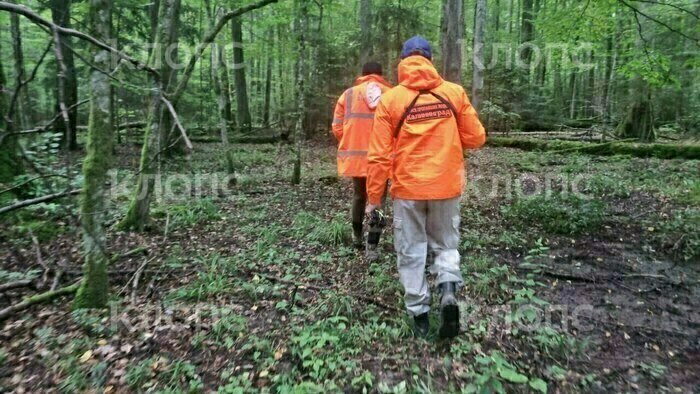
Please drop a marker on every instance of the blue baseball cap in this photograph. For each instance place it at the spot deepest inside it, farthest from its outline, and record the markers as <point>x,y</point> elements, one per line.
<point>416,45</point>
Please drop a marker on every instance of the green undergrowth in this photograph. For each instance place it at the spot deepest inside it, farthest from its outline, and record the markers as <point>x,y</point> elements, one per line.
<point>333,232</point>
<point>192,212</point>
<point>160,374</point>
<point>505,305</point>
<point>679,233</point>
<point>45,221</point>
<point>661,151</point>
<point>212,279</point>
<point>558,213</point>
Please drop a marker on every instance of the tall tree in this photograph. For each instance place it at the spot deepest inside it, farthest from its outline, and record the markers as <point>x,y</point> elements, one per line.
<point>10,160</point>
<point>242,110</point>
<point>638,121</point>
<point>93,291</point>
<point>451,39</point>
<point>301,27</point>
<point>137,215</point>
<point>220,82</point>
<point>66,78</point>
<point>366,39</point>
<point>479,34</point>
<point>267,99</point>
<point>169,135</point>
<point>25,109</point>
<point>527,31</point>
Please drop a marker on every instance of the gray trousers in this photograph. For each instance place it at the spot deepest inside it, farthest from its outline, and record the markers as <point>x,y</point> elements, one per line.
<point>422,227</point>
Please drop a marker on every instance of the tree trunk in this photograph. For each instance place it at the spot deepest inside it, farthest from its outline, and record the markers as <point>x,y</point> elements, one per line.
<point>366,41</point>
<point>639,119</point>
<point>451,39</point>
<point>169,137</point>
<point>25,109</point>
<point>138,213</point>
<point>221,89</point>
<point>511,17</point>
<point>153,13</point>
<point>268,82</point>
<point>137,216</point>
<point>60,14</point>
<point>497,17</point>
<point>479,34</point>
<point>591,86</point>
<point>572,102</point>
<point>281,102</point>
<point>93,291</point>
<point>242,110</point>
<point>302,21</point>
<point>10,159</point>
<point>527,31</point>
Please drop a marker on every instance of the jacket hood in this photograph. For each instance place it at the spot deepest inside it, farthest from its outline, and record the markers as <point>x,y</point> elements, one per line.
<point>371,77</point>
<point>418,73</point>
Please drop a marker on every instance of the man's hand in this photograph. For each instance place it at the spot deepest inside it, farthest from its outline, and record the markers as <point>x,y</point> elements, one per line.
<point>370,208</point>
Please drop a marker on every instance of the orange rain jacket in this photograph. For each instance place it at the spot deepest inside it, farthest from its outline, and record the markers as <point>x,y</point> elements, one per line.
<point>425,157</point>
<point>352,124</point>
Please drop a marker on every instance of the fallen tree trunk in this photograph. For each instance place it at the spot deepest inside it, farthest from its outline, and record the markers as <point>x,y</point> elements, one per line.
<point>131,125</point>
<point>37,299</point>
<point>37,200</point>
<point>256,140</point>
<point>659,151</point>
<point>123,126</point>
<point>15,285</point>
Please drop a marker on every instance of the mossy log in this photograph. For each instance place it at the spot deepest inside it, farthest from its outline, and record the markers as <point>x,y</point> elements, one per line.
<point>37,299</point>
<point>660,151</point>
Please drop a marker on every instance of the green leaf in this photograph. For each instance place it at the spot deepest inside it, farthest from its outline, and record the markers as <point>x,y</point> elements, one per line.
<point>512,375</point>
<point>539,385</point>
<point>498,387</point>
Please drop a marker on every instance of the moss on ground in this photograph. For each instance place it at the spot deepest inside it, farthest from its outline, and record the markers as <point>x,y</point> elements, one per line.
<point>661,151</point>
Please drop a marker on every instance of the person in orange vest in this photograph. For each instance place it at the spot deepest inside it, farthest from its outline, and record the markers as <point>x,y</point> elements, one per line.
<point>421,129</point>
<point>352,123</point>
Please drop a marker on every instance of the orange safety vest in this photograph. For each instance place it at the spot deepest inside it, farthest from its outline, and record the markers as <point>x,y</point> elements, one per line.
<point>421,128</point>
<point>352,123</point>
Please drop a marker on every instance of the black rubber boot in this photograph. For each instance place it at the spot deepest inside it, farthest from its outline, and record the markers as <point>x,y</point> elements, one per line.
<point>358,241</point>
<point>449,311</point>
<point>421,325</point>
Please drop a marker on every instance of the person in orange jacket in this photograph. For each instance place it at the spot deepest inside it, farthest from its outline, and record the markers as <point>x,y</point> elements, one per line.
<point>352,123</point>
<point>421,129</point>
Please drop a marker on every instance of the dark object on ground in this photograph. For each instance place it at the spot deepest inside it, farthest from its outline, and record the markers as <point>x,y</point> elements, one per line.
<point>421,325</point>
<point>449,311</point>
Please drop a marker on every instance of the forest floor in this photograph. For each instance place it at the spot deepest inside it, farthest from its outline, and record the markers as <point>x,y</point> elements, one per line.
<point>254,287</point>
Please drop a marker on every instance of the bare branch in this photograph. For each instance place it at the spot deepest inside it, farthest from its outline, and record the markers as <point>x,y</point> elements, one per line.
<point>651,18</point>
<point>15,285</point>
<point>39,298</point>
<point>177,122</point>
<point>37,200</point>
<point>22,83</point>
<point>208,39</point>
<point>37,19</point>
<point>45,127</point>
<point>17,186</point>
<point>679,8</point>
<point>62,86</point>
